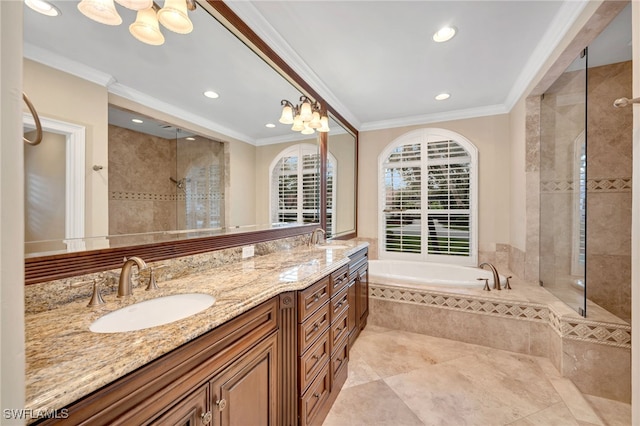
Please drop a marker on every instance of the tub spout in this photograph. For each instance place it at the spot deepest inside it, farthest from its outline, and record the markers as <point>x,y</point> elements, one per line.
<point>496,277</point>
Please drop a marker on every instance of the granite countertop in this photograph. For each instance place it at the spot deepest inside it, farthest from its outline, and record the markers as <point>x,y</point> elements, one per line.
<point>65,361</point>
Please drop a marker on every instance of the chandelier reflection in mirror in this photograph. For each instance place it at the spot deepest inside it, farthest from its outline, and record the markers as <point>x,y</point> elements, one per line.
<point>172,15</point>
<point>306,117</point>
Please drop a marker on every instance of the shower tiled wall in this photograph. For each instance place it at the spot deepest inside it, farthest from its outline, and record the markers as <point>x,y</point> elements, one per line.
<point>609,149</point>
<point>141,196</point>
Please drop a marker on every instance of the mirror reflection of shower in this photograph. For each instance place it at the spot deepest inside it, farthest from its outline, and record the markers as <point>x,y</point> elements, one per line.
<point>188,195</point>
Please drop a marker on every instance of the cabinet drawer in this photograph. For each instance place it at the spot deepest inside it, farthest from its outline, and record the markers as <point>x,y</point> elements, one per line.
<point>339,279</point>
<point>313,327</point>
<point>339,303</point>
<point>313,297</point>
<point>339,329</point>
<point>315,397</point>
<point>340,357</point>
<point>313,360</point>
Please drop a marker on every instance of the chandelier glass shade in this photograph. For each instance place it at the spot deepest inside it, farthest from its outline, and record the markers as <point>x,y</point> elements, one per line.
<point>173,16</point>
<point>307,117</point>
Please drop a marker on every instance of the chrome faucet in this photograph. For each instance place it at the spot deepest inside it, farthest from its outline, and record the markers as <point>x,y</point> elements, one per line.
<point>496,277</point>
<point>314,236</point>
<point>124,286</point>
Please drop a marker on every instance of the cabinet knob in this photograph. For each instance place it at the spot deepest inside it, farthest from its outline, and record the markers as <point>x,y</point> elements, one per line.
<point>315,327</point>
<point>206,417</point>
<point>316,395</point>
<point>222,404</point>
<point>316,298</point>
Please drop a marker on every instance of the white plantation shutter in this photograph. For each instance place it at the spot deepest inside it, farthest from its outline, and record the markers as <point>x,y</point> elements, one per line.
<point>428,197</point>
<point>295,186</point>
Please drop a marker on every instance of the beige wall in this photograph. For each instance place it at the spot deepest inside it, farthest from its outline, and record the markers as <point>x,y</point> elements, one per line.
<point>241,202</point>
<point>61,96</point>
<point>518,205</point>
<point>491,137</point>
<point>12,361</point>
<point>635,224</point>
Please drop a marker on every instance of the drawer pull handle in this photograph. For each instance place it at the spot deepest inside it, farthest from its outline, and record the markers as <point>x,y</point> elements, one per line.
<point>316,357</point>
<point>206,418</point>
<point>339,360</point>
<point>316,395</point>
<point>222,404</point>
<point>316,298</point>
<point>339,305</point>
<point>316,327</point>
<point>338,330</point>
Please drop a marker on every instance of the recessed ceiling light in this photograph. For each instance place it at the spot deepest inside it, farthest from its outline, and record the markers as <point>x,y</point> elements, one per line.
<point>190,138</point>
<point>444,34</point>
<point>42,6</point>
<point>270,125</point>
<point>442,96</point>
<point>137,120</point>
<point>211,94</point>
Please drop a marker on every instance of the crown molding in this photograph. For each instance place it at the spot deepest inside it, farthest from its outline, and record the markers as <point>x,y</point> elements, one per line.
<point>259,24</point>
<point>85,72</point>
<point>164,107</point>
<point>66,65</point>
<point>560,25</point>
<point>435,118</point>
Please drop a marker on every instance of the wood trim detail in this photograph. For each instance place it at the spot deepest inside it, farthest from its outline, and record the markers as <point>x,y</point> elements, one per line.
<point>48,268</point>
<point>289,359</point>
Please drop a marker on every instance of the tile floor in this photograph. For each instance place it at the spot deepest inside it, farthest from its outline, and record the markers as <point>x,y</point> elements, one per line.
<point>399,378</point>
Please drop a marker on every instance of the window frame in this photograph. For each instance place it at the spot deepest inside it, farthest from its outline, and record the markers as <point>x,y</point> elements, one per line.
<point>424,137</point>
<point>300,150</point>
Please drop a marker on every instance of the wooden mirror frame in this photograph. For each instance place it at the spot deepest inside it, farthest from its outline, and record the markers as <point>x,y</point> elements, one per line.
<point>58,266</point>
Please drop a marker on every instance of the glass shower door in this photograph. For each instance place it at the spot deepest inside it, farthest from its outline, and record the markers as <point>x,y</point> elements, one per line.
<point>563,172</point>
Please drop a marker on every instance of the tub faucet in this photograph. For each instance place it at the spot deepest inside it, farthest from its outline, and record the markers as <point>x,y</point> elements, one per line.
<point>124,286</point>
<point>496,277</point>
<point>314,239</point>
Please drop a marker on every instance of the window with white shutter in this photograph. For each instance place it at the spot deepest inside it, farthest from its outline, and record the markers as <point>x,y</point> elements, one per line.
<point>428,198</point>
<point>295,186</point>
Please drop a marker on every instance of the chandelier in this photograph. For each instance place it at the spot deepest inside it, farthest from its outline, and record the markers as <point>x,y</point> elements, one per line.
<point>173,16</point>
<point>306,117</point>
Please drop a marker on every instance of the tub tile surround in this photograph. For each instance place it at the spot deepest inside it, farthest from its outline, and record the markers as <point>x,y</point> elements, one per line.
<point>435,381</point>
<point>65,361</point>
<point>595,352</point>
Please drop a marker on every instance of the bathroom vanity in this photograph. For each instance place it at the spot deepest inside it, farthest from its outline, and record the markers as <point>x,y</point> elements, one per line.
<point>280,362</point>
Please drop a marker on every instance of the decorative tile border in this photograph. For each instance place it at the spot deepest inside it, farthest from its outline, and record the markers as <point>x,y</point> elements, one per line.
<point>593,185</point>
<point>148,196</point>
<point>618,335</point>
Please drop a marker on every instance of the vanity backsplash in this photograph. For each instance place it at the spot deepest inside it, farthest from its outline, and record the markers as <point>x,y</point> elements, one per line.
<point>52,294</point>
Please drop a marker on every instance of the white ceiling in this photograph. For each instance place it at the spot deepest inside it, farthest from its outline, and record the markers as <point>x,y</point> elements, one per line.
<point>373,61</point>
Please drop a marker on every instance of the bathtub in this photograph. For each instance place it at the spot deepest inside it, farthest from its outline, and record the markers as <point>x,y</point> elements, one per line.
<point>431,274</point>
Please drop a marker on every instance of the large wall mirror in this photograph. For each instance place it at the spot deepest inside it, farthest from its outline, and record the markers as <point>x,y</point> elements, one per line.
<point>157,159</point>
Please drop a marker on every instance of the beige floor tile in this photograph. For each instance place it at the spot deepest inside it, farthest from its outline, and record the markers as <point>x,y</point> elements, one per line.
<point>397,352</point>
<point>575,401</point>
<point>556,415</point>
<point>613,413</point>
<point>359,371</point>
<point>368,405</point>
<point>476,390</point>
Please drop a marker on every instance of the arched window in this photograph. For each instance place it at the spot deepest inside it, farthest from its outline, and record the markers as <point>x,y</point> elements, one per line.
<point>295,186</point>
<point>428,198</point>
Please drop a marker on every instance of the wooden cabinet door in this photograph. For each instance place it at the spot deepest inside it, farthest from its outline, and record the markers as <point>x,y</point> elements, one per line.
<point>191,411</point>
<point>352,313</point>
<point>245,393</point>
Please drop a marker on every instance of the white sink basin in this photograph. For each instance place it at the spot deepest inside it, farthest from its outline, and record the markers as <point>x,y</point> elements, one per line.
<point>151,313</point>
<point>331,246</point>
